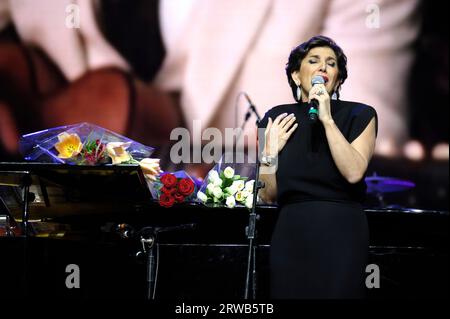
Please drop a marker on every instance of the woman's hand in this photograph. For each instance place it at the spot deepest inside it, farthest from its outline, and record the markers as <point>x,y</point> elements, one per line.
<point>150,167</point>
<point>278,132</point>
<point>319,93</point>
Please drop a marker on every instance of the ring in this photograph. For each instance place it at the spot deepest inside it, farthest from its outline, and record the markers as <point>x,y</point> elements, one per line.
<point>320,93</point>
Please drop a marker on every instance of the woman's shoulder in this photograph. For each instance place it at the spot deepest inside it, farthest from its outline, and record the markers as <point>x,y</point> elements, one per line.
<point>280,109</point>
<point>355,108</point>
<point>277,110</point>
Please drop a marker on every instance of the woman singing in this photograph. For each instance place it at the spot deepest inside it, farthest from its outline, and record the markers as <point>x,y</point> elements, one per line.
<point>315,170</point>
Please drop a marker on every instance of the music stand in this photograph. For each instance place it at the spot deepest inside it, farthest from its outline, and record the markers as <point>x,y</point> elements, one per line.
<point>56,191</point>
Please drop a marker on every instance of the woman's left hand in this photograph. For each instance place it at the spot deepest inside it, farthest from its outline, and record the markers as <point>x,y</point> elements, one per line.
<point>319,92</point>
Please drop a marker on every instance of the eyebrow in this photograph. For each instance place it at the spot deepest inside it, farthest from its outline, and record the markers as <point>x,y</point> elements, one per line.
<point>318,57</point>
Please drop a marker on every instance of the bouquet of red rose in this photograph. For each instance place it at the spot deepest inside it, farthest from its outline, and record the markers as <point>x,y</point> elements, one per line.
<point>172,188</point>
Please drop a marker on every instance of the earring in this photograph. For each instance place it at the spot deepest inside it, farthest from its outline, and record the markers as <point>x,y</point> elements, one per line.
<point>299,93</point>
<point>334,96</point>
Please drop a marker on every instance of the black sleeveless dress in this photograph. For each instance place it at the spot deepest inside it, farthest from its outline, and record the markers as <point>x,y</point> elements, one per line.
<point>320,243</point>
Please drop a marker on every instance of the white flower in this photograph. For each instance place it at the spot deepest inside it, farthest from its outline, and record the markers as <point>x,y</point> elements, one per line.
<point>228,172</point>
<point>249,202</point>
<point>230,202</point>
<point>232,189</point>
<point>117,152</point>
<point>250,185</point>
<point>240,197</point>
<point>239,184</point>
<point>218,182</point>
<point>150,167</point>
<point>210,188</point>
<point>246,193</point>
<point>217,192</point>
<point>202,196</point>
<point>212,176</point>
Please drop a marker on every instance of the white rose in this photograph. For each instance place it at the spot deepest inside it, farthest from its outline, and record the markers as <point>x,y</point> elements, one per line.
<point>246,193</point>
<point>218,182</point>
<point>232,189</point>
<point>210,188</point>
<point>202,196</point>
<point>230,202</point>
<point>212,176</point>
<point>239,184</point>
<point>249,186</point>
<point>217,192</point>
<point>249,202</point>
<point>228,172</point>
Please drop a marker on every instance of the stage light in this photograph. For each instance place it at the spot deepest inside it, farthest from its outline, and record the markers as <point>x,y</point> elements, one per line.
<point>414,150</point>
<point>386,148</point>
<point>440,152</point>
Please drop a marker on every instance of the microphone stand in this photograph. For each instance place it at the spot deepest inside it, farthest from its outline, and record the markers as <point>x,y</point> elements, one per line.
<point>251,109</point>
<point>148,238</point>
<point>250,231</point>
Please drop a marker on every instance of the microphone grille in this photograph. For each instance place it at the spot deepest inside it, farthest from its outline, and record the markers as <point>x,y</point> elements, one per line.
<point>318,79</point>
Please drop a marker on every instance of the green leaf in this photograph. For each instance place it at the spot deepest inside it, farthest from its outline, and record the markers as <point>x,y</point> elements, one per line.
<point>227,183</point>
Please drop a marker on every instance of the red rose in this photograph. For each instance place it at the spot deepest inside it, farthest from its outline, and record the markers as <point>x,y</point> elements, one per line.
<point>178,198</point>
<point>168,191</point>
<point>186,187</point>
<point>166,200</point>
<point>169,180</point>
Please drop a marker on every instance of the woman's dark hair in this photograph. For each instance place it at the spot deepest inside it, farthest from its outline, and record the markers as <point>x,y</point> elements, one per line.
<point>298,53</point>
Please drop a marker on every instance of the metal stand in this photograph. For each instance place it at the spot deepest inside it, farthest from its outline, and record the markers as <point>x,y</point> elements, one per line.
<point>26,183</point>
<point>381,200</point>
<point>148,237</point>
<point>250,230</point>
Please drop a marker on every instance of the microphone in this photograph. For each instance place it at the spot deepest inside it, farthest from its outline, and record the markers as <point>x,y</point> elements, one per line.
<point>252,106</point>
<point>313,112</point>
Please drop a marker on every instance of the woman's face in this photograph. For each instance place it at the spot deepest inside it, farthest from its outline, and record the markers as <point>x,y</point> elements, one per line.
<point>319,61</point>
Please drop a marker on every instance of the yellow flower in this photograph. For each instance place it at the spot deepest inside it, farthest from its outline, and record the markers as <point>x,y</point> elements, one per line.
<point>69,145</point>
<point>117,152</point>
<point>240,197</point>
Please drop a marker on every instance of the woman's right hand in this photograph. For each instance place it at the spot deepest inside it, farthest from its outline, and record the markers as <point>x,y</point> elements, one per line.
<point>278,132</point>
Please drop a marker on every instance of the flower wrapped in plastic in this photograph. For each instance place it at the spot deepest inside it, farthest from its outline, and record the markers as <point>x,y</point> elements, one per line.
<point>82,144</point>
<point>228,184</point>
<point>173,188</point>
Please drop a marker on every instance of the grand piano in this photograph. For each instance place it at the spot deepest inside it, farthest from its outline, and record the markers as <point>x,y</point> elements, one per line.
<point>55,216</point>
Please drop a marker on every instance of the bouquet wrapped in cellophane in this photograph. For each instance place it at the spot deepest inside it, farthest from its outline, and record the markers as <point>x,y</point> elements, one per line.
<point>82,144</point>
<point>173,188</point>
<point>228,184</point>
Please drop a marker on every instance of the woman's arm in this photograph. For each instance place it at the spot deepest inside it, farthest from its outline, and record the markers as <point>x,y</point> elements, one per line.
<point>268,194</point>
<point>351,159</point>
<point>276,135</point>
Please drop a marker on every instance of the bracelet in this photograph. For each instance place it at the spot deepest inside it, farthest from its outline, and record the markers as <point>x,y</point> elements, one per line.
<point>268,160</point>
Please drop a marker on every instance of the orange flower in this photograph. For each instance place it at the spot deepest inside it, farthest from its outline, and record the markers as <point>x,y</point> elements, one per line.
<point>69,145</point>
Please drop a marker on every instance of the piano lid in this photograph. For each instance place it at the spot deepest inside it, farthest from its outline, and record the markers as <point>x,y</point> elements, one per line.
<point>60,190</point>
